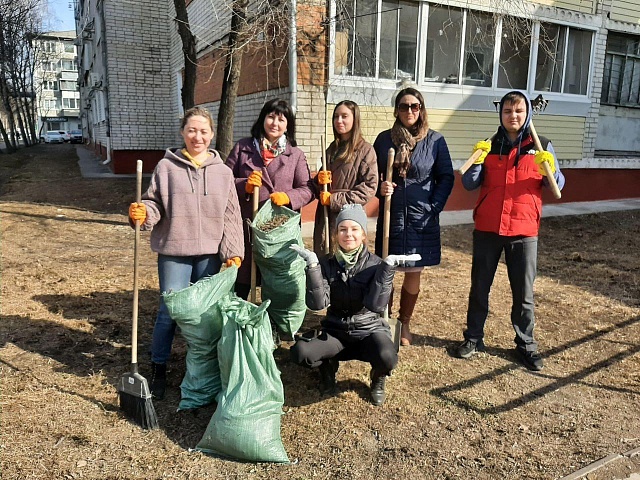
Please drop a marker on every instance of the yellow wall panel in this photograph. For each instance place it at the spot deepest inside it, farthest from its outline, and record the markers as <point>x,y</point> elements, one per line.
<point>625,11</point>
<point>462,129</point>
<point>584,6</point>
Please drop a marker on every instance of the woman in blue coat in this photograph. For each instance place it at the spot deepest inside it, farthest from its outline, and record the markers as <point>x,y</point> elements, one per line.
<point>421,184</point>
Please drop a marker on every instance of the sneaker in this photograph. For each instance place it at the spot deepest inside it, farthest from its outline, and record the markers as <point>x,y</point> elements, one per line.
<point>469,347</point>
<point>531,360</point>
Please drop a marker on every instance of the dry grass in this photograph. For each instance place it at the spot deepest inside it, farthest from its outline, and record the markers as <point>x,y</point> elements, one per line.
<point>66,301</point>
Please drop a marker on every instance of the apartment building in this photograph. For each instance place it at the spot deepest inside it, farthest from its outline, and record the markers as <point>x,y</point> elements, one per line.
<point>583,56</point>
<point>56,82</point>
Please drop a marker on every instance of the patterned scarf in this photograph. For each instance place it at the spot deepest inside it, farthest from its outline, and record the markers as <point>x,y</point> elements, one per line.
<point>269,150</point>
<point>406,142</point>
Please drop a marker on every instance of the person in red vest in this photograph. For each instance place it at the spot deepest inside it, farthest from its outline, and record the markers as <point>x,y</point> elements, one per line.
<point>507,218</point>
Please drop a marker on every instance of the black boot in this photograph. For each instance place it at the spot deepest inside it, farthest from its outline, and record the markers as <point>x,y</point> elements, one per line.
<point>328,369</point>
<point>158,380</point>
<point>377,387</point>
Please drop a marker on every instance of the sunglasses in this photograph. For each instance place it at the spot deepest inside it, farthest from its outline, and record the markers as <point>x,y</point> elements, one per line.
<point>404,107</point>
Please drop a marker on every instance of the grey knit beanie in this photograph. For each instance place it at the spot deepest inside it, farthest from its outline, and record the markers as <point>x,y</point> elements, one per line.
<point>353,212</point>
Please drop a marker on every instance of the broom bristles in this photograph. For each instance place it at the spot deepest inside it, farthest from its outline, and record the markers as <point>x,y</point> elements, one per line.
<point>140,410</point>
<point>136,399</point>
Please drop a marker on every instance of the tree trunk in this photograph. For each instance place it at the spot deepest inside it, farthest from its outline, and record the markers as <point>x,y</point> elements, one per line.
<point>189,52</point>
<point>231,80</point>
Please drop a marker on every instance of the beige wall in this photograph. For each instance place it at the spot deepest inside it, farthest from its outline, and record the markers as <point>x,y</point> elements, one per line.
<point>584,6</point>
<point>462,129</point>
<point>625,11</point>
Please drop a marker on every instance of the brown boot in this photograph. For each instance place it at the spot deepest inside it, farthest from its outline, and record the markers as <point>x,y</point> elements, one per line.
<point>407,304</point>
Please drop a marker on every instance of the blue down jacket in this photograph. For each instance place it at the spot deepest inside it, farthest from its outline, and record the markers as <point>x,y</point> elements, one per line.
<point>418,199</point>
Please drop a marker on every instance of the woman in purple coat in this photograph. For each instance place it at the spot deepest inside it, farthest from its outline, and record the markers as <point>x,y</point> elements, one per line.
<point>269,159</point>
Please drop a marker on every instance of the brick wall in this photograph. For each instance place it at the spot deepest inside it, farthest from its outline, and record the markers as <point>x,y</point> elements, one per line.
<point>140,113</point>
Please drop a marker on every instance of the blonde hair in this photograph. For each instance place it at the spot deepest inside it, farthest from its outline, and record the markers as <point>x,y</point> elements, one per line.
<point>334,240</point>
<point>196,111</point>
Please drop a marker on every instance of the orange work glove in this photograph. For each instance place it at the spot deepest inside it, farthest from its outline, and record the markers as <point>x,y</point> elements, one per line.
<point>324,177</point>
<point>138,211</point>
<point>325,198</point>
<point>234,261</point>
<point>280,198</point>
<point>254,180</point>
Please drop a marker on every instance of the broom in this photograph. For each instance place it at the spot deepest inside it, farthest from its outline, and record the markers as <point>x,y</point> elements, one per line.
<point>135,396</point>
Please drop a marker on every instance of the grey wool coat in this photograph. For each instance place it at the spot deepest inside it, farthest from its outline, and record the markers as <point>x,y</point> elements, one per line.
<point>288,173</point>
<point>352,182</point>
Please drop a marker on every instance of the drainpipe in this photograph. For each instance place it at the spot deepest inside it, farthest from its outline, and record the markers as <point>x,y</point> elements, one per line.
<point>293,56</point>
<point>105,87</point>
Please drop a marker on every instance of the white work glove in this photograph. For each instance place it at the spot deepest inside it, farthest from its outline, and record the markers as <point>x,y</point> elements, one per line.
<point>307,255</point>
<point>401,260</point>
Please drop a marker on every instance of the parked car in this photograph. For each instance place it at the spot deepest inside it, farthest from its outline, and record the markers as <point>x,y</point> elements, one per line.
<point>53,137</point>
<point>65,135</point>
<point>76,136</point>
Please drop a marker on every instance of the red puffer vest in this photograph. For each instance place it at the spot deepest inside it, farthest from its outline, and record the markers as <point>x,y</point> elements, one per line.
<point>510,200</point>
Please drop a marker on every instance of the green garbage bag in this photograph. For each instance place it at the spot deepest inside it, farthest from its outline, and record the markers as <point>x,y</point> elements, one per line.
<point>246,423</point>
<point>194,310</point>
<point>282,269</point>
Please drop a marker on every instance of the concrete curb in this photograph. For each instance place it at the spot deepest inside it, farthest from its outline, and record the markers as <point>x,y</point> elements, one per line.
<point>579,474</point>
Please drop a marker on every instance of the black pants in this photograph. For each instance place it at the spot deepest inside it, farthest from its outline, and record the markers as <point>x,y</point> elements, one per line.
<point>376,349</point>
<point>521,255</point>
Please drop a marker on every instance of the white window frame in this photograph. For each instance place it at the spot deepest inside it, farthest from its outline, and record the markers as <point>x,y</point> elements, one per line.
<point>422,28</point>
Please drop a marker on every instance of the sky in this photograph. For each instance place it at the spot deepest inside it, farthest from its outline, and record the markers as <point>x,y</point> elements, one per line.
<point>60,15</point>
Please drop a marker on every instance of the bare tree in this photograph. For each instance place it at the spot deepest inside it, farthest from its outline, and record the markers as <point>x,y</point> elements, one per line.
<point>189,52</point>
<point>232,69</point>
<point>18,21</point>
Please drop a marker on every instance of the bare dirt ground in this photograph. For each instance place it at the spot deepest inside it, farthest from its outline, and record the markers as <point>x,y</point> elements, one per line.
<point>67,256</point>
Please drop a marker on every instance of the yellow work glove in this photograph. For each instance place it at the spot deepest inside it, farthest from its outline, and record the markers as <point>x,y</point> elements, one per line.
<point>325,198</point>
<point>545,156</point>
<point>138,211</point>
<point>254,180</point>
<point>324,177</point>
<point>485,146</point>
<point>234,261</point>
<point>280,198</point>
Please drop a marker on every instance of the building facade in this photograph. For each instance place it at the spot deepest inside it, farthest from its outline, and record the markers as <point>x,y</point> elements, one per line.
<point>583,56</point>
<point>56,82</point>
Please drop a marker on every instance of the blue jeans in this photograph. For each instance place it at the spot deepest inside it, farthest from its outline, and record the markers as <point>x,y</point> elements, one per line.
<point>176,273</point>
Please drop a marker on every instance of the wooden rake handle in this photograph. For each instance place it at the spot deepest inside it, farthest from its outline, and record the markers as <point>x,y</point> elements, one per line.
<point>386,218</point>
<point>325,188</point>
<point>136,244</point>
<point>547,169</point>
<point>255,202</point>
<point>467,165</point>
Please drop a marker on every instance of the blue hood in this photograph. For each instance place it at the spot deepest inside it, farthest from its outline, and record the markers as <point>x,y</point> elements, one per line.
<point>525,128</point>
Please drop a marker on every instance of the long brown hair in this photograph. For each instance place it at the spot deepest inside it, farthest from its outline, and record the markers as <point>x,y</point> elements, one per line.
<point>345,149</point>
<point>422,125</point>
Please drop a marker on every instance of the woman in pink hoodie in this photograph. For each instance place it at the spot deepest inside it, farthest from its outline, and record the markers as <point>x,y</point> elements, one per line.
<point>192,210</point>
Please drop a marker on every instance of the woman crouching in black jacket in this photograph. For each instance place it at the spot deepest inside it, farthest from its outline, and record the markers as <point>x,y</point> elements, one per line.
<point>354,285</point>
